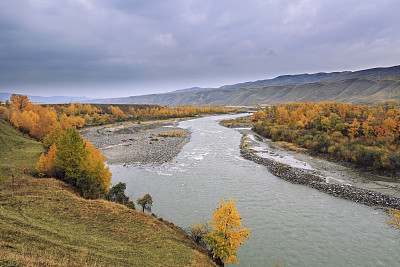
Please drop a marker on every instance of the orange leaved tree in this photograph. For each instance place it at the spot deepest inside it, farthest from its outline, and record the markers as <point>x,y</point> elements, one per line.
<point>77,162</point>
<point>227,234</point>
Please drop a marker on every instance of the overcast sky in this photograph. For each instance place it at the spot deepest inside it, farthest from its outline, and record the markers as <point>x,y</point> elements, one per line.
<point>107,48</point>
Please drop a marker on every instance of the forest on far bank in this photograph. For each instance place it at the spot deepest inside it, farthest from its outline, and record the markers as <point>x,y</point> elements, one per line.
<point>367,137</point>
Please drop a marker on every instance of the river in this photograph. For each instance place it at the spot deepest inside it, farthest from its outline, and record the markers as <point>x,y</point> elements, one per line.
<point>292,225</point>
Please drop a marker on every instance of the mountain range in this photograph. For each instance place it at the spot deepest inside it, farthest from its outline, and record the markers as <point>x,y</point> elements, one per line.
<point>48,99</point>
<point>368,86</point>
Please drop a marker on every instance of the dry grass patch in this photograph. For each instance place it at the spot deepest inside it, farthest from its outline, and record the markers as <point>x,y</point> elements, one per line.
<point>172,133</point>
<point>290,146</point>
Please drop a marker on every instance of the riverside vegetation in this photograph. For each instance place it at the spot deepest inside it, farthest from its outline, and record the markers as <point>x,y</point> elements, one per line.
<point>47,222</point>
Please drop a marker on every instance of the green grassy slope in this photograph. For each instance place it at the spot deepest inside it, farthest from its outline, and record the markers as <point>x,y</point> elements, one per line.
<point>44,222</point>
<point>16,151</point>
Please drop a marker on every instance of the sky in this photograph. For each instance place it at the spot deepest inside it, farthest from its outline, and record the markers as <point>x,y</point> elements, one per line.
<point>116,48</point>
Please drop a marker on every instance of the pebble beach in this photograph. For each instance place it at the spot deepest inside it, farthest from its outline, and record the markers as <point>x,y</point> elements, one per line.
<point>137,144</point>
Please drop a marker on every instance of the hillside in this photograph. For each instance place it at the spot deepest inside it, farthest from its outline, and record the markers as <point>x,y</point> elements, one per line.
<point>370,86</point>
<point>355,90</point>
<point>44,222</point>
<point>48,99</point>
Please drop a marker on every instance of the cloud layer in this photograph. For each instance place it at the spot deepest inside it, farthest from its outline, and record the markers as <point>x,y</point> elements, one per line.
<point>138,47</point>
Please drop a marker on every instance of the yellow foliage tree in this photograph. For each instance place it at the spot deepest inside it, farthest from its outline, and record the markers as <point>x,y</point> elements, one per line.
<point>45,165</point>
<point>353,128</point>
<point>117,112</point>
<point>96,168</point>
<point>69,156</point>
<point>227,233</point>
<point>394,217</point>
<point>20,102</point>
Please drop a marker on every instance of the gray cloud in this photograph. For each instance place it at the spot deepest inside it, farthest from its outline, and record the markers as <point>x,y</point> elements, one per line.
<point>139,47</point>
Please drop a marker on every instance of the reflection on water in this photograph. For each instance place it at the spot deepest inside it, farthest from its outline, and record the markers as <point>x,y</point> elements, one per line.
<point>290,224</point>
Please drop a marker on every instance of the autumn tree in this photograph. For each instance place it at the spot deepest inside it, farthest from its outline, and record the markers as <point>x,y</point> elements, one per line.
<point>70,156</point>
<point>394,217</point>
<point>227,234</point>
<point>45,165</point>
<point>368,130</point>
<point>77,162</point>
<point>353,128</point>
<point>116,112</point>
<point>146,202</point>
<point>20,102</point>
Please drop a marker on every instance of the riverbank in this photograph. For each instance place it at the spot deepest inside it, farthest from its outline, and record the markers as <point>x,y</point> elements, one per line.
<point>320,174</point>
<point>133,144</point>
<point>46,222</point>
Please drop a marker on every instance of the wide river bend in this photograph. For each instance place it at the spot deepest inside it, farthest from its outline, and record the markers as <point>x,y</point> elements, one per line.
<point>292,225</point>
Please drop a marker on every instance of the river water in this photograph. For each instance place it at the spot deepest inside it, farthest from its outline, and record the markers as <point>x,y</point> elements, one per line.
<point>292,225</point>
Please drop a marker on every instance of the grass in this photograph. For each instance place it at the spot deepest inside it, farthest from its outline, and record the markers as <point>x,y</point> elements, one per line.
<point>172,133</point>
<point>45,222</point>
<point>291,146</point>
<point>17,151</point>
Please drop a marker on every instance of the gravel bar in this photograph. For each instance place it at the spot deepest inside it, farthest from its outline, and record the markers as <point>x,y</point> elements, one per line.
<point>137,144</point>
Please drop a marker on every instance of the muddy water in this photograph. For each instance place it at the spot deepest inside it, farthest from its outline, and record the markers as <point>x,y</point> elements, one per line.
<point>290,224</point>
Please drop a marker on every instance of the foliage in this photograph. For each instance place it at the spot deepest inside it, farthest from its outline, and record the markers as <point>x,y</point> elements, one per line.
<point>39,120</point>
<point>198,232</point>
<point>394,217</point>
<point>117,194</point>
<point>77,162</point>
<point>71,155</point>
<point>89,188</point>
<point>227,234</point>
<point>146,202</point>
<point>366,136</point>
<point>20,102</point>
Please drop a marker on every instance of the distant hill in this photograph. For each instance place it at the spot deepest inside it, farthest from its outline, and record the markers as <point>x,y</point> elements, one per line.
<point>48,99</point>
<point>193,89</point>
<point>286,80</point>
<point>363,87</point>
<point>321,76</point>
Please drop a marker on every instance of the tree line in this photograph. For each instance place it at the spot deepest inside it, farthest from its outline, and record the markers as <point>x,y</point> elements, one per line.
<point>366,136</point>
<point>39,120</point>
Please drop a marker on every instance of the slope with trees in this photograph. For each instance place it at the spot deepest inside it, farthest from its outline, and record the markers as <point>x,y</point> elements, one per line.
<point>46,222</point>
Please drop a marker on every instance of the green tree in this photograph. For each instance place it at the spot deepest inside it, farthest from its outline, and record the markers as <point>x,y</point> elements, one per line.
<point>117,194</point>
<point>227,234</point>
<point>146,202</point>
<point>71,153</point>
<point>89,187</point>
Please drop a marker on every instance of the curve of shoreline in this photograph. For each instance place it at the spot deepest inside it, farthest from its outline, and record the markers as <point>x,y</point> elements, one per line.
<point>320,174</point>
